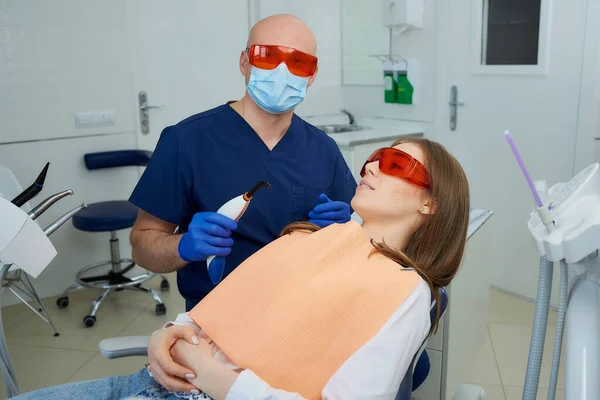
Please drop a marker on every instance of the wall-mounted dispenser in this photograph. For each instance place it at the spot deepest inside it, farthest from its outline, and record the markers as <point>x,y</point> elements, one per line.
<point>402,14</point>
<point>390,86</point>
<point>398,79</point>
<point>397,86</point>
<point>404,89</point>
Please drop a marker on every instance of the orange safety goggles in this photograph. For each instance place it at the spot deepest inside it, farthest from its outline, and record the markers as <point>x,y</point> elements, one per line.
<point>399,164</point>
<point>265,56</point>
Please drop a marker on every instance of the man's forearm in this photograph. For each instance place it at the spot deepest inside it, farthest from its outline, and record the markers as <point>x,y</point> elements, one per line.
<point>156,251</point>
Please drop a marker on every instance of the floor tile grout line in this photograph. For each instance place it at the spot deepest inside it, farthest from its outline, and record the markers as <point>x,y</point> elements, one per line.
<point>118,334</point>
<point>39,346</point>
<point>81,367</point>
<point>496,361</point>
<point>134,316</point>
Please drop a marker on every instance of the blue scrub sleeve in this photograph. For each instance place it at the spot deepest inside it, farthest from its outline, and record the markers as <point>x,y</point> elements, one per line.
<point>343,186</point>
<point>165,188</point>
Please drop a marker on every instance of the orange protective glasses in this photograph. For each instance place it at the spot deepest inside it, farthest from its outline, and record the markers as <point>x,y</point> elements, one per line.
<point>266,56</point>
<point>399,164</point>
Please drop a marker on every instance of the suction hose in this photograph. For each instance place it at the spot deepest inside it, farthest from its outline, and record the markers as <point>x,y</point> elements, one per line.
<point>560,327</point>
<point>538,336</point>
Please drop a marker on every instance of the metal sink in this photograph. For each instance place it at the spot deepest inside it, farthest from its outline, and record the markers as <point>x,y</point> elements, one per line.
<point>340,128</point>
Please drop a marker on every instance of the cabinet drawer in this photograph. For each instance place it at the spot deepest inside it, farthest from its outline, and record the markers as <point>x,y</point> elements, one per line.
<point>436,342</point>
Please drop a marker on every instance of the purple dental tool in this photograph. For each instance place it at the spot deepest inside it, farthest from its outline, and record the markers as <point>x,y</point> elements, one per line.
<point>510,141</point>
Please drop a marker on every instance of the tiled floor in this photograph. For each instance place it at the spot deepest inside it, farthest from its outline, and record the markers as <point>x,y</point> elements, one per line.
<point>42,360</point>
<point>502,362</point>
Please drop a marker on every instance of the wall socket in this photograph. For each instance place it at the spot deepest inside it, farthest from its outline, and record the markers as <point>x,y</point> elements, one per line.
<point>94,119</point>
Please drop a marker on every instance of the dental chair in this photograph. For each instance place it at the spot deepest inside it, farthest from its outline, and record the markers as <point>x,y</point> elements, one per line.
<point>128,346</point>
<point>418,369</point>
<point>110,217</point>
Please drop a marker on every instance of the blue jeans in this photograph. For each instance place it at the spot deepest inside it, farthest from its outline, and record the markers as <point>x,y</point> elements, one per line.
<point>141,385</point>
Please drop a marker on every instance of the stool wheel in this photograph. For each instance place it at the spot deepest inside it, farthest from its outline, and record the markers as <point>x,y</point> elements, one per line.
<point>62,302</point>
<point>89,320</point>
<point>161,309</point>
<point>164,286</point>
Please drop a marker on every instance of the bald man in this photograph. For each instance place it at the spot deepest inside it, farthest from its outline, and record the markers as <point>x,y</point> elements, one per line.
<point>207,159</point>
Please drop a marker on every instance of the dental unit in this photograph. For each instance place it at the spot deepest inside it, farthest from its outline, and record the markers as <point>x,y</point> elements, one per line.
<point>233,209</point>
<point>566,229</point>
<point>25,244</point>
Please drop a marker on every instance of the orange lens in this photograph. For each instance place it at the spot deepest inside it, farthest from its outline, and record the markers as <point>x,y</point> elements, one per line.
<point>270,56</point>
<point>399,164</point>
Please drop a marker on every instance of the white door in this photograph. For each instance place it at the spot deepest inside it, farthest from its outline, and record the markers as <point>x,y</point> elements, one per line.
<point>184,55</point>
<point>516,65</point>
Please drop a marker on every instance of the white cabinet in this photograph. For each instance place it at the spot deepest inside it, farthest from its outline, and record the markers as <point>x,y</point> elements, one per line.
<point>462,332</point>
<point>436,342</point>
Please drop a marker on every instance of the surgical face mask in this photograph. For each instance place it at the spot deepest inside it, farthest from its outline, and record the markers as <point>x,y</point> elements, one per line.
<point>278,90</point>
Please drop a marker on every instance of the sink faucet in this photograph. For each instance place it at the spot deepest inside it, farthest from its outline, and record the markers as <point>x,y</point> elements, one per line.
<point>350,116</point>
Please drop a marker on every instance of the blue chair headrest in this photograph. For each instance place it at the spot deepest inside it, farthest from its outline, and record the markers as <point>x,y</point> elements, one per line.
<point>119,158</point>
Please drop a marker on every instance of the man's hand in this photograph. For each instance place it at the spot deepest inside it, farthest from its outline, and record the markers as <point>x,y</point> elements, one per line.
<point>328,212</point>
<point>208,235</point>
<point>164,369</point>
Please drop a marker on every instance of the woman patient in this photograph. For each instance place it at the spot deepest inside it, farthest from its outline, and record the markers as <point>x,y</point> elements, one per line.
<point>336,313</point>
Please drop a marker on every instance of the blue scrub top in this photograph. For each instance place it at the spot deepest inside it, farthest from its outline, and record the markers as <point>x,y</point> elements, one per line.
<point>211,157</point>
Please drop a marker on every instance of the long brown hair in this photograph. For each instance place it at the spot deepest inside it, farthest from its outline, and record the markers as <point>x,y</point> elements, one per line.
<point>436,249</point>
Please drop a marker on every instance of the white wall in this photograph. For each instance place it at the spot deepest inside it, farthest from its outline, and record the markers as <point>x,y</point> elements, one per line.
<point>588,129</point>
<point>60,58</point>
<point>362,35</point>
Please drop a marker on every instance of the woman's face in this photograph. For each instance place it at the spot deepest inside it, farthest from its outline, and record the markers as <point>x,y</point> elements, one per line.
<point>384,197</point>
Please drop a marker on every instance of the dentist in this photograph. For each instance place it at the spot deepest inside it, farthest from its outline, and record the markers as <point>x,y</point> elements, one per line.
<point>211,157</point>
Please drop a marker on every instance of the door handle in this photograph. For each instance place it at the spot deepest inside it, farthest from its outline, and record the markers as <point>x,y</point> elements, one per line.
<point>144,107</point>
<point>144,115</point>
<point>454,104</point>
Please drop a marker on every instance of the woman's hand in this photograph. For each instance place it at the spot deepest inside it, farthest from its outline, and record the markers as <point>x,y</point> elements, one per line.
<point>213,378</point>
<point>188,355</point>
<point>164,369</point>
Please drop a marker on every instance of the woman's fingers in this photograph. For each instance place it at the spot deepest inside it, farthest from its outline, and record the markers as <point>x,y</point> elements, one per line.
<point>166,371</point>
<point>171,383</point>
<point>172,368</point>
<point>186,333</point>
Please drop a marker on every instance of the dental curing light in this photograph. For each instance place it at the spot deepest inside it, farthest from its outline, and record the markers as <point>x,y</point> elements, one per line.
<point>233,209</point>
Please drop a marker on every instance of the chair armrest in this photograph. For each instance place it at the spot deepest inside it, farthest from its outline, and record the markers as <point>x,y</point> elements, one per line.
<point>125,346</point>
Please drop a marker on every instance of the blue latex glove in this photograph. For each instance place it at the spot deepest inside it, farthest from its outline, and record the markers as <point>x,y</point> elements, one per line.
<point>329,212</point>
<point>208,235</point>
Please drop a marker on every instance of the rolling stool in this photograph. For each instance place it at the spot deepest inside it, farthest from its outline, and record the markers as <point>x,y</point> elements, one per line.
<point>111,216</point>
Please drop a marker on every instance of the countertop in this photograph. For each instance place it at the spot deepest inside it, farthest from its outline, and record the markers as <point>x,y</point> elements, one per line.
<point>375,129</point>
<point>477,218</point>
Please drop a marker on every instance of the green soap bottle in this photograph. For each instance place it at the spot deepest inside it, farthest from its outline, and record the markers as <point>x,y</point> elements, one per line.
<point>390,86</point>
<point>404,89</point>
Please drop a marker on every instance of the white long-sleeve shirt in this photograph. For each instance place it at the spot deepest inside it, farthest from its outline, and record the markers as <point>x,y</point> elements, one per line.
<point>373,372</point>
